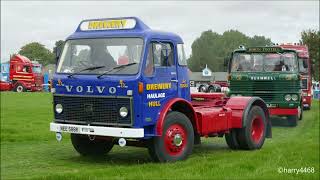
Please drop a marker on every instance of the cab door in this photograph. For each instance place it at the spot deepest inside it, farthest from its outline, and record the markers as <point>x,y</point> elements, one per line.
<point>159,78</point>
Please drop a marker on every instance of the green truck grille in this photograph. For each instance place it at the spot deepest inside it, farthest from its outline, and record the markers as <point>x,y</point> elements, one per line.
<point>267,90</point>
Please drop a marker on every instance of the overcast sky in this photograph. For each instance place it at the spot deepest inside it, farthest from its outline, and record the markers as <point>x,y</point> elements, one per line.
<point>45,22</point>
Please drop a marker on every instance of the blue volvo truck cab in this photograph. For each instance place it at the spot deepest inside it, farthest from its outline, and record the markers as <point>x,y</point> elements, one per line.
<point>112,79</point>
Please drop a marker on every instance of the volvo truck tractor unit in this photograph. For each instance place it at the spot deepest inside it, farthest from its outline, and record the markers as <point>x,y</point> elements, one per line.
<point>118,82</point>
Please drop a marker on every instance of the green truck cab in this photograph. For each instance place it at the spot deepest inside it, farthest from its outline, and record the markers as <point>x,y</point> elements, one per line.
<point>270,73</point>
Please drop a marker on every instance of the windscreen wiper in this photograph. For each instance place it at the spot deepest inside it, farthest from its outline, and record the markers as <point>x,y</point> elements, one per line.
<point>117,67</point>
<point>85,69</point>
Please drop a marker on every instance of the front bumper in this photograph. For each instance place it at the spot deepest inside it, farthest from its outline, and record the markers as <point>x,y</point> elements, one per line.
<point>283,111</point>
<point>98,130</point>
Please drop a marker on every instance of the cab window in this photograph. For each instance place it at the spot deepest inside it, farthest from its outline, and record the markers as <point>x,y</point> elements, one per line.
<point>159,55</point>
<point>182,60</point>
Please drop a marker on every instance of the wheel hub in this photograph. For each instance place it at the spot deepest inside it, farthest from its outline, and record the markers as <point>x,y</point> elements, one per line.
<point>19,88</point>
<point>257,129</point>
<point>177,140</point>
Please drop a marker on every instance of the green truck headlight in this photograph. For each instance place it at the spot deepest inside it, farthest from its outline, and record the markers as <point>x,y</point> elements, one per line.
<point>59,108</point>
<point>287,97</point>
<point>294,97</point>
<point>123,112</point>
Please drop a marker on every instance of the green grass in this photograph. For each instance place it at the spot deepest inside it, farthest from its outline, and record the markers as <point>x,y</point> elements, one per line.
<point>29,151</point>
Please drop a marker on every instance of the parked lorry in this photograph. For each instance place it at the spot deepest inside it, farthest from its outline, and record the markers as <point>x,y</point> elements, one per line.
<point>305,71</point>
<point>24,75</point>
<point>146,101</point>
<point>270,73</point>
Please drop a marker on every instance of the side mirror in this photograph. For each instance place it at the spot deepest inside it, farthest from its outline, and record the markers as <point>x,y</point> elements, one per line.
<point>58,51</point>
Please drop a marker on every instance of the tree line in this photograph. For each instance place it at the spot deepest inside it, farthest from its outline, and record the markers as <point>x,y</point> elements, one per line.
<point>209,49</point>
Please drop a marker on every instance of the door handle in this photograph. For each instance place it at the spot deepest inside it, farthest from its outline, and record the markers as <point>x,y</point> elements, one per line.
<point>174,80</point>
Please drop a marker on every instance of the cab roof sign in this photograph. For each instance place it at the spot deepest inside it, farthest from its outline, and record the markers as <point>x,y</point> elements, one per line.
<point>264,49</point>
<point>108,24</point>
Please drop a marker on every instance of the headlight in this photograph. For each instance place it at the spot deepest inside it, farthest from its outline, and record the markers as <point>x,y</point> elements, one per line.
<point>294,97</point>
<point>59,108</point>
<point>123,112</point>
<point>287,97</point>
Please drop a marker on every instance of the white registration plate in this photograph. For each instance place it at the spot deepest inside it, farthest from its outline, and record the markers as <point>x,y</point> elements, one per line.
<point>70,129</point>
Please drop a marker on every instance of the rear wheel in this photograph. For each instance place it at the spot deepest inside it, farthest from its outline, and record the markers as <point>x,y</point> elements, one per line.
<point>231,139</point>
<point>177,139</point>
<point>253,135</point>
<point>91,147</point>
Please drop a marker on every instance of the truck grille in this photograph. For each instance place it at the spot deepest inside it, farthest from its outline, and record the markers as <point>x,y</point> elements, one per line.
<point>94,110</point>
<point>264,85</point>
<point>304,84</point>
<point>267,90</point>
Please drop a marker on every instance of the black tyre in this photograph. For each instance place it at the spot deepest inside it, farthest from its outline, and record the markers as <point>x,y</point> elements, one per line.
<point>19,88</point>
<point>301,111</point>
<point>214,88</point>
<point>292,120</point>
<point>202,88</point>
<point>231,139</point>
<point>307,108</point>
<point>86,147</point>
<point>253,135</point>
<point>177,139</point>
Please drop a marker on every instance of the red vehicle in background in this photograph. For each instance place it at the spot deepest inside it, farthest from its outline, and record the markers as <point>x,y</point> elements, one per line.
<point>304,69</point>
<point>24,75</point>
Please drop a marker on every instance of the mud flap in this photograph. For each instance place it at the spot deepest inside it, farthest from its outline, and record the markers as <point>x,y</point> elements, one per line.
<point>269,129</point>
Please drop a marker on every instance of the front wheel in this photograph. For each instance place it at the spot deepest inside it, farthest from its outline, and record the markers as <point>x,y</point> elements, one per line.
<point>91,147</point>
<point>300,111</point>
<point>253,135</point>
<point>177,139</point>
<point>19,88</point>
<point>293,120</point>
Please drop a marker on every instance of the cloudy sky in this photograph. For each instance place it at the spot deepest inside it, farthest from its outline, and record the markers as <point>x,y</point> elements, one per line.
<point>45,22</point>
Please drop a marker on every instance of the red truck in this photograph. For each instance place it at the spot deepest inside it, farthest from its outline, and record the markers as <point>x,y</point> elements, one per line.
<point>24,75</point>
<point>305,71</point>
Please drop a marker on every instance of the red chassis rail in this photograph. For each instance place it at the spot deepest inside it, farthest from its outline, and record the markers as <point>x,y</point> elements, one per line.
<point>217,113</point>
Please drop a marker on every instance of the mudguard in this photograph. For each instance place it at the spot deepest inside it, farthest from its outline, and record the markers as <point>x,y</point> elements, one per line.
<point>244,104</point>
<point>172,104</point>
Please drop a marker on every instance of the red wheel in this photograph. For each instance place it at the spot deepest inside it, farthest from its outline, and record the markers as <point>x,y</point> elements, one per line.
<point>253,134</point>
<point>175,139</point>
<point>257,129</point>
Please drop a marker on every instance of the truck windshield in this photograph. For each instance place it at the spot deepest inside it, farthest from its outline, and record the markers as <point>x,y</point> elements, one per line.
<point>109,53</point>
<point>258,62</point>
<point>36,69</point>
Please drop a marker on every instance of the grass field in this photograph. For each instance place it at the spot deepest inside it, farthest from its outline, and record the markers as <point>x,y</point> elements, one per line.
<point>29,150</point>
